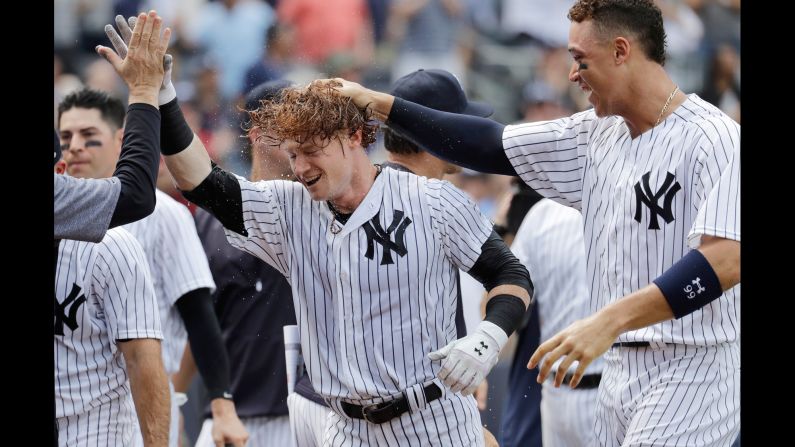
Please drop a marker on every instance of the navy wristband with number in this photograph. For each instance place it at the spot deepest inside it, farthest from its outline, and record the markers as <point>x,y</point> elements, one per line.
<point>689,284</point>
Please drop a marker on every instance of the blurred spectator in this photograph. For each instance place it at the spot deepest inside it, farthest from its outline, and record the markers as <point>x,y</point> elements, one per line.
<point>233,34</point>
<point>540,103</point>
<point>723,83</point>
<point>100,75</point>
<point>325,26</point>
<point>544,21</point>
<point>275,60</point>
<point>428,33</point>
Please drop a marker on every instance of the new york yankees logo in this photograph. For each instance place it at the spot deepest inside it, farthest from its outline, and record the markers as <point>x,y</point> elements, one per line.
<point>375,233</point>
<point>60,310</point>
<point>644,194</point>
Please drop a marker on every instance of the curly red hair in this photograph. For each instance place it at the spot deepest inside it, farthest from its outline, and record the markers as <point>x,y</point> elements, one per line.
<point>317,112</point>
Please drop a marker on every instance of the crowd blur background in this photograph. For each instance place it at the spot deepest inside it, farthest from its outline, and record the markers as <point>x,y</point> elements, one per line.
<point>509,53</point>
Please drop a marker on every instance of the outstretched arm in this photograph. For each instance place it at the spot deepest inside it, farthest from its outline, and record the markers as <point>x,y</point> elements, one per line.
<point>469,141</point>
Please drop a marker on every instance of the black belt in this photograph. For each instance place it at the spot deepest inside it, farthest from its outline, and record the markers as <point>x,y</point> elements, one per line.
<point>587,382</point>
<point>386,411</point>
<point>631,344</point>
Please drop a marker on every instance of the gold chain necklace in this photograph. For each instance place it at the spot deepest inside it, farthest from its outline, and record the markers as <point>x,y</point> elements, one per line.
<point>665,107</point>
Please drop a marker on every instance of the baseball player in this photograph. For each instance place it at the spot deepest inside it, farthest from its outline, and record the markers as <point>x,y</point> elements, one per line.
<point>252,301</point>
<point>639,166</point>
<point>91,124</point>
<point>371,256</point>
<point>107,345</point>
<point>85,208</point>
<point>550,244</point>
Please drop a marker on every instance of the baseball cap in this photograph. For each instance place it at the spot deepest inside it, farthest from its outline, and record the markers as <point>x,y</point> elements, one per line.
<point>440,90</point>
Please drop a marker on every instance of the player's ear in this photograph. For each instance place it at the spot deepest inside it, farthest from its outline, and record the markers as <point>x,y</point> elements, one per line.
<point>621,50</point>
<point>356,138</point>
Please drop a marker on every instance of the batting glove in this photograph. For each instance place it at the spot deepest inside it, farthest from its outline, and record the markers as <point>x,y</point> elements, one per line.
<point>167,91</point>
<point>467,361</point>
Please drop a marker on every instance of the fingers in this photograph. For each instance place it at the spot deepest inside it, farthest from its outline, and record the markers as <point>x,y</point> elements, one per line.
<point>154,38</point>
<point>441,353</point>
<point>455,380</point>
<point>124,29</point>
<point>110,56</point>
<point>168,61</point>
<point>542,350</point>
<point>146,32</point>
<point>116,41</point>
<point>575,379</point>
<point>135,40</point>
<point>563,368</point>
<point>471,384</point>
<point>546,365</point>
<point>162,47</point>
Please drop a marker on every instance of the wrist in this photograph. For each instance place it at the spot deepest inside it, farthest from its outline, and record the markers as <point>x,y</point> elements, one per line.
<point>166,94</point>
<point>495,332</point>
<point>380,104</point>
<point>141,95</point>
<point>221,406</point>
<point>614,320</point>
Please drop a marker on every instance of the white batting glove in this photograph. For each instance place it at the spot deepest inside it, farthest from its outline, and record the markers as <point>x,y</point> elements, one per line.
<point>167,91</point>
<point>467,361</point>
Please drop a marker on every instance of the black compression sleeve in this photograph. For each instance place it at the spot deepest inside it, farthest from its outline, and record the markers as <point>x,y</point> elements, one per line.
<point>469,141</point>
<point>138,164</point>
<point>219,194</point>
<point>206,343</point>
<point>497,266</point>
<point>175,134</point>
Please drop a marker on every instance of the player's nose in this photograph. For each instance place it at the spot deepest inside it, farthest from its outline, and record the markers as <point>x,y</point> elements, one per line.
<point>574,72</point>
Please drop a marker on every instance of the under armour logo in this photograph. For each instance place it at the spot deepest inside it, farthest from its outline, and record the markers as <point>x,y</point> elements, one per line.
<point>482,345</point>
<point>692,293</point>
<point>644,194</point>
<point>60,310</point>
<point>376,233</point>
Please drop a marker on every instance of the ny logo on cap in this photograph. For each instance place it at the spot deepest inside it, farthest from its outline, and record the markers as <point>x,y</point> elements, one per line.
<point>376,233</point>
<point>644,195</point>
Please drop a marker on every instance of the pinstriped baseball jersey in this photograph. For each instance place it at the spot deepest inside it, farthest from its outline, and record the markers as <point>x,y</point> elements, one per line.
<point>103,293</point>
<point>639,198</point>
<point>720,214</point>
<point>375,295</point>
<point>178,265</point>
<point>549,243</point>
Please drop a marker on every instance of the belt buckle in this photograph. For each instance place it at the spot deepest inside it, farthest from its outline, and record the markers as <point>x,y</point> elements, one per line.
<point>366,411</point>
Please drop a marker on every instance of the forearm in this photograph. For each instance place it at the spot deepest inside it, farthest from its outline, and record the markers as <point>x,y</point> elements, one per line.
<point>207,345</point>
<point>191,166</point>
<point>184,153</point>
<point>507,282</point>
<point>469,141</point>
<point>187,370</point>
<point>724,257</point>
<point>649,305</point>
<point>138,165</point>
<point>149,385</point>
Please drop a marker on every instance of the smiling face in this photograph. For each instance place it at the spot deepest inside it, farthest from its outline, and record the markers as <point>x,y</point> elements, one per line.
<point>593,69</point>
<point>325,168</point>
<point>90,145</point>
